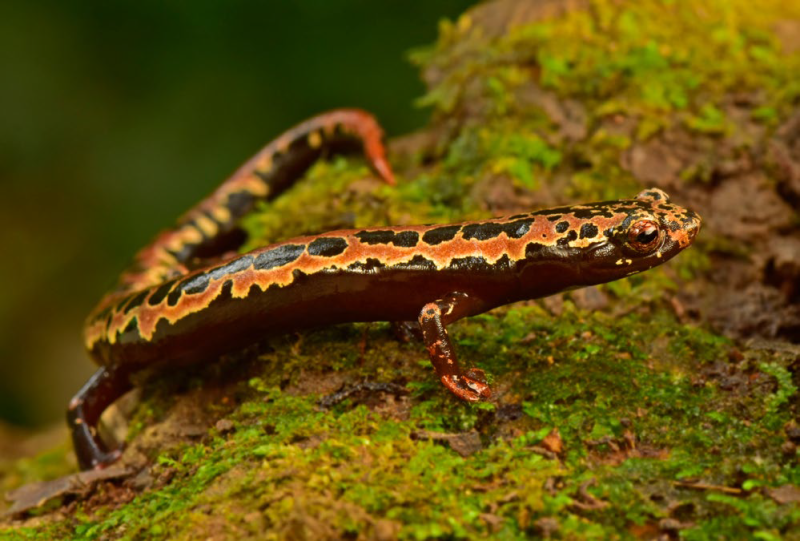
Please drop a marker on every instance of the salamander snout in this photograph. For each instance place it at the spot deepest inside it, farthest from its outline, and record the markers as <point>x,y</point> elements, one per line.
<point>682,226</point>
<point>679,224</point>
<point>693,226</point>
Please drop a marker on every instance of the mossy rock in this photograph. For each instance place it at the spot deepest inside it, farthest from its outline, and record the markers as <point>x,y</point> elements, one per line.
<point>665,404</point>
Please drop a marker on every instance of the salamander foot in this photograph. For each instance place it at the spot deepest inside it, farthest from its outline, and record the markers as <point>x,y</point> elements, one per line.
<point>471,386</point>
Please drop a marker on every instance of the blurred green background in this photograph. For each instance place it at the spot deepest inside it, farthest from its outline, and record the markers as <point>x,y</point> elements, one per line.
<point>115,117</point>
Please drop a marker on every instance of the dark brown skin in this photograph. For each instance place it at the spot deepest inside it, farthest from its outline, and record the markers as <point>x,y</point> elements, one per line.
<point>183,301</point>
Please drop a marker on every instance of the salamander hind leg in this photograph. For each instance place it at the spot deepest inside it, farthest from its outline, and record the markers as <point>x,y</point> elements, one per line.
<point>469,385</point>
<point>83,414</point>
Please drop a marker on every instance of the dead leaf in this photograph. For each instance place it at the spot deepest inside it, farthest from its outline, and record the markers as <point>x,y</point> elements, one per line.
<point>494,522</point>
<point>35,495</point>
<point>553,442</point>
<point>784,494</point>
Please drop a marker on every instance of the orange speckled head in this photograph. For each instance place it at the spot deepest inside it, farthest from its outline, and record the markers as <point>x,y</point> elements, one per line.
<point>648,231</point>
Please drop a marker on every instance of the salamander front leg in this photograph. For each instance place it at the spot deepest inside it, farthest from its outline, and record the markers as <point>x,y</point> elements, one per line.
<point>83,413</point>
<point>470,385</point>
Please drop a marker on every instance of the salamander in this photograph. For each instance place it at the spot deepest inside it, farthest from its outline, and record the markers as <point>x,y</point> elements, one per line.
<point>190,296</point>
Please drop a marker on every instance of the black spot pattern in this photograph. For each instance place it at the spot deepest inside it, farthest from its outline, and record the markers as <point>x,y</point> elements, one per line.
<point>441,234</point>
<point>370,265</point>
<point>518,228</point>
<point>479,264</point>
<point>561,227</point>
<point>470,263</point>
<point>239,203</point>
<point>572,235</point>
<point>118,308</point>
<point>132,328</point>
<point>327,246</point>
<point>490,230</point>
<point>553,211</point>
<point>195,284</point>
<point>237,265</point>
<point>185,253</point>
<point>626,222</point>
<point>161,293</point>
<point>588,231</point>
<point>278,257</point>
<point>418,262</point>
<point>297,275</point>
<point>591,212</point>
<point>174,296</point>
<point>403,239</point>
<point>192,285</point>
<point>137,300</point>
<point>533,249</point>
<point>210,216</point>
<point>481,231</point>
<point>227,290</point>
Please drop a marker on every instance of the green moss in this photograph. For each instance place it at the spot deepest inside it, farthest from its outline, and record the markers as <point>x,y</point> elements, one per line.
<point>709,120</point>
<point>659,64</point>
<point>641,59</point>
<point>785,389</point>
<point>606,377</point>
<point>760,517</point>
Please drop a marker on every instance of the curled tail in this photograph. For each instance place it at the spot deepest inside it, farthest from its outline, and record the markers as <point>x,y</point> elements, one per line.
<point>209,229</point>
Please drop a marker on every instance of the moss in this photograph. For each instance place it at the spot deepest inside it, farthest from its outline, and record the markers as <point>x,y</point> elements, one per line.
<point>709,120</point>
<point>643,59</point>
<point>765,519</point>
<point>653,414</point>
<point>350,468</point>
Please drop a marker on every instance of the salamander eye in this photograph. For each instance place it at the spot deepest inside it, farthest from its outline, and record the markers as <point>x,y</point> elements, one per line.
<point>644,236</point>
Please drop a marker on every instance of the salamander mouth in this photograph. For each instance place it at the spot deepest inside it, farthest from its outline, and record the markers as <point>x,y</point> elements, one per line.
<point>596,257</point>
<point>612,260</point>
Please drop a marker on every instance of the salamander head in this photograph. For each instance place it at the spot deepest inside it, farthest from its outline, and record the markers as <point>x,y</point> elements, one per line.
<point>644,232</point>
